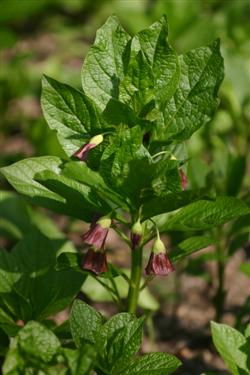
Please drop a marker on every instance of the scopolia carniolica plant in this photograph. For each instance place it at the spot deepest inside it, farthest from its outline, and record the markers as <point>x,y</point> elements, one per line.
<point>124,136</point>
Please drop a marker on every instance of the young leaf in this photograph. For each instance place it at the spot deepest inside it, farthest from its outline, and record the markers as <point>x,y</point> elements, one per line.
<point>203,214</point>
<point>85,323</point>
<point>71,113</point>
<point>153,363</point>
<point>228,342</point>
<point>195,99</point>
<point>105,63</point>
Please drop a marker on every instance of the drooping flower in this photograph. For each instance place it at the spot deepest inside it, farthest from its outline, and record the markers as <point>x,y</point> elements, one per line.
<point>95,260</point>
<point>82,153</point>
<point>136,234</point>
<point>184,179</point>
<point>159,262</point>
<point>97,233</point>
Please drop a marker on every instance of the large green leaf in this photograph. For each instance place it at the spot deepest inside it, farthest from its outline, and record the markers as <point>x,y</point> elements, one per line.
<point>40,181</point>
<point>26,273</point>
<point>21,176</point>
<point>195,99</point>
<point>71,113</point>
<point>229,343</point>
<point>105,63</point>
<point>204,214</point>
<point>80,200</point>
<point>153,363</point>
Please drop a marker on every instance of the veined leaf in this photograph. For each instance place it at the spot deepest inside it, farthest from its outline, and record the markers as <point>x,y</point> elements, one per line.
<point>71,113</point>
<point>105,63</point>
<point>195,99</point>
<point>153,363</point>
<point>162,58</point>
<point>21,176</point>
<point>81,200</point>
<point>81,172</point>
<point>173,201</point>
<point>204,214</point>
<point>85,323</point>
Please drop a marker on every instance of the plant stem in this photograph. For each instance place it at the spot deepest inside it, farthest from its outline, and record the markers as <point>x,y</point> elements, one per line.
<point>135,279</point>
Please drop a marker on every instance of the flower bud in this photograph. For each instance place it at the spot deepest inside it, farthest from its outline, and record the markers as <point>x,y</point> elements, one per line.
<point>82,153</point>
<point>136,234</point>
<point>184,180</point>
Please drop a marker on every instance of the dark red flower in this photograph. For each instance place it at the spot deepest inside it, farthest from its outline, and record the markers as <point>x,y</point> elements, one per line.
<point>97,233</point>
<point>136,234</point>
<point>184,179</point>
<point>82,153</point>
<point>159,262</point>
<point>95,261</point>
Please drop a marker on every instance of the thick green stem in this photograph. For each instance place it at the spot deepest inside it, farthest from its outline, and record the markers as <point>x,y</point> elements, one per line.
<point>135,279</point>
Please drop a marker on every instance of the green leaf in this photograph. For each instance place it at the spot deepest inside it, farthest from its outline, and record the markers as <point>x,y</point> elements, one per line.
<point>228,342</point>
<point>125,344</point>
<point>172,201</point>
<point>137,87</point>
<point>162,58</point>
<point>81,201</point>
<point>38,342</point>
<point>81,172</point>
<point>85,323</point>
<point>195,99</point>
<point>204,214</point>
<point>80,361</point>
<point>153,364</point>
<point>71,113</point>
<point>105,63</point>
<point>118,340</point>
<point>189,246</point>
<point>30,268</point>
<point>21,176</point>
